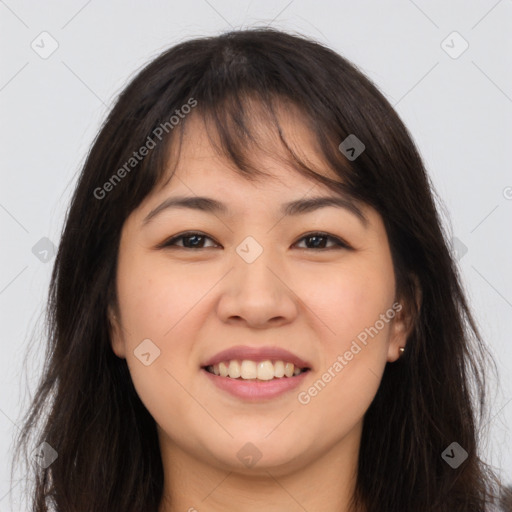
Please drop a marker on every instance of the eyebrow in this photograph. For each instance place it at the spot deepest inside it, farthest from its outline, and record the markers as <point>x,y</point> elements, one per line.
<point>293,208</point>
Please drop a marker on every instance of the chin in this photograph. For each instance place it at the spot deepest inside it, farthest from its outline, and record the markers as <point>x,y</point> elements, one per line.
<point>250,452</point>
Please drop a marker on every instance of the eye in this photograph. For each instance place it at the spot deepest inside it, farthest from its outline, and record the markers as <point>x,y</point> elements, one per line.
<point>195,240</point>
<point>192,240</point>
<point>317,241</point>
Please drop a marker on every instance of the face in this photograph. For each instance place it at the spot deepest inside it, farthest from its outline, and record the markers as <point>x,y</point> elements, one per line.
<point>260,280</point>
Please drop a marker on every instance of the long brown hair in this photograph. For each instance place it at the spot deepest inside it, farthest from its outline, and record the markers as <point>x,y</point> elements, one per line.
<point>86,407</point>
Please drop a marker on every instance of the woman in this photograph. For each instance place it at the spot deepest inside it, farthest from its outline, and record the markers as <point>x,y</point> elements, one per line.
<point>254,305</point>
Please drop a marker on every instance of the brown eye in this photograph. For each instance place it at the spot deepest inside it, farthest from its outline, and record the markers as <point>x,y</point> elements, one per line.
<point>318,241</point>
<point>191,240</point>
<point>195,240</point>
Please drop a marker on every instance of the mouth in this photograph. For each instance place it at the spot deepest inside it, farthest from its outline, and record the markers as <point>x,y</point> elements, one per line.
<point>256,374</point>
<point>256,371</point>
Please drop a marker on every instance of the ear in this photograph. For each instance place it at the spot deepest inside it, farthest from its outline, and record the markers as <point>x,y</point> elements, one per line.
<point>117,341</point>
<point>404,321</point>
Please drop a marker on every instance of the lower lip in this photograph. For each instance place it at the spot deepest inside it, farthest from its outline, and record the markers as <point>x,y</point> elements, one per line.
<point>254,389</point>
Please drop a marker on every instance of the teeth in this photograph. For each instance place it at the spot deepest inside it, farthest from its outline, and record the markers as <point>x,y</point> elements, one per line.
<point>279,369</point>
<point>223,369</point>
<point>265,370</point>
<point>247,370</point>
<point>234,369</point>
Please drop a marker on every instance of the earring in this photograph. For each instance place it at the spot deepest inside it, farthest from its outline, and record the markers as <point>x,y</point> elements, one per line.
<point>401,350</point>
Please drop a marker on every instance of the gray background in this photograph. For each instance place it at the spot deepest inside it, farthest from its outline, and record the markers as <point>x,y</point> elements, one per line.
<point>457,105</point>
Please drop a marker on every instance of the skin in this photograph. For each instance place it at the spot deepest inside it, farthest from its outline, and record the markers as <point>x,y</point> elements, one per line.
<point>193,303</point>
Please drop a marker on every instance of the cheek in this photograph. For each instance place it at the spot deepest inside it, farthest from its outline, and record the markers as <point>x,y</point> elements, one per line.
<point>353,355</point>
<point>156,306</point>
<point>157,312</point>
<point>354,346</point>
<point>349,298</point>
<point>336,402</point>
<point>155,299</point>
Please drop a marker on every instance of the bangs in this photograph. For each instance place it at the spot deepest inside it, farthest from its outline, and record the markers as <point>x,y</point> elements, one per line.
<point>243,126</point>
<point>242,91</point>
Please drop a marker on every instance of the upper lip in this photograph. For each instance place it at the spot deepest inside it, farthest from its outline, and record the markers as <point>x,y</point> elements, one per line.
<point>257,354</point>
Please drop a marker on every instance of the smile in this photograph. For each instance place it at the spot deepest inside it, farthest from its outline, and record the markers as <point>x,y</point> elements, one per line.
<point>251,388</point>
<point>253,370</point>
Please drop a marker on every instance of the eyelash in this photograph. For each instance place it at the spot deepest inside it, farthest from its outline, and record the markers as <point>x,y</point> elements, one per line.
<point>170,243</point>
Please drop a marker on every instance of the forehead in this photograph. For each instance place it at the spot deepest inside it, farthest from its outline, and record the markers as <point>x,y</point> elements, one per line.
<point>200,176</point>
<point>205,180</point>
<point>198,156</point>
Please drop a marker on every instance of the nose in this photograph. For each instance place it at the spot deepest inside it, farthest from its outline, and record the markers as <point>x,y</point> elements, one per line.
<point>258,294</point>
